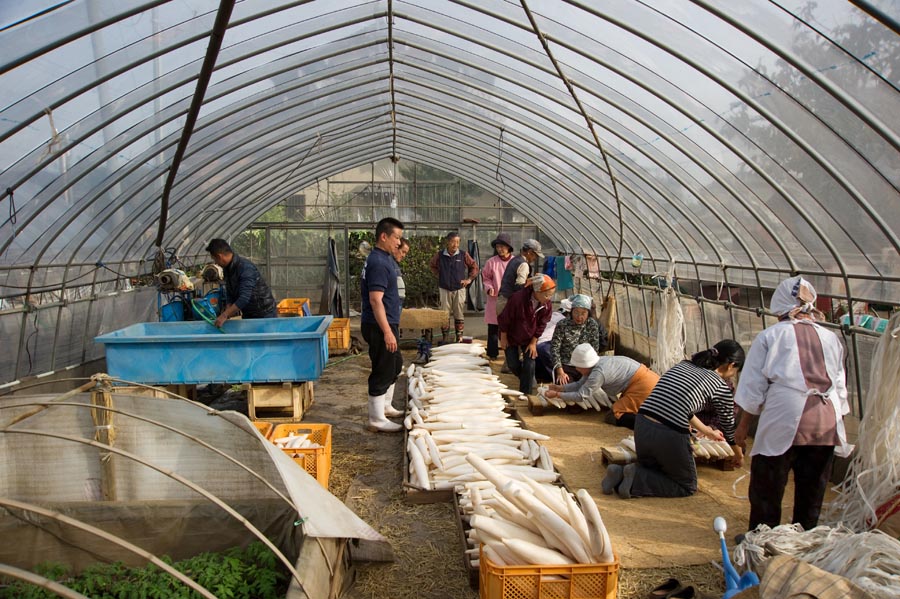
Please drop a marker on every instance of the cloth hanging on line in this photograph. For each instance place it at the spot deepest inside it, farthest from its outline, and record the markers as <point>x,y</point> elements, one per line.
<point>475,291</point>
<point>332,299</point>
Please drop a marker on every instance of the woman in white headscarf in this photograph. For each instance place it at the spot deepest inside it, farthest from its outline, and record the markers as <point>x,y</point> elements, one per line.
<point>793,381</point>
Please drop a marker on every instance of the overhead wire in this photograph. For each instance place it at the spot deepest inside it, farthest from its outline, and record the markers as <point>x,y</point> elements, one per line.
<point>590,125</point>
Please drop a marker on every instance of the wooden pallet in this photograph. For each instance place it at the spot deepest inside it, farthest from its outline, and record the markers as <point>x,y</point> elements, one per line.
<point>278,402</point>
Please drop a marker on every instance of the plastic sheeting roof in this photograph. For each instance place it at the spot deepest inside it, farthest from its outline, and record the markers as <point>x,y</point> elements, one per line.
<point>754,135</point>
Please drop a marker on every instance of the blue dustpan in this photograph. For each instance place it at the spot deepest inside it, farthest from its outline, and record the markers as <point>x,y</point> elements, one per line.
<point>734,583</point>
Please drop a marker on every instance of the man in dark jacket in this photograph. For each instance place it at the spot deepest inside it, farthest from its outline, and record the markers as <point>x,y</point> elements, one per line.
<point>518,270</point>
<point>246,291</point>
<point>521,323</point>
<point>455,270</point>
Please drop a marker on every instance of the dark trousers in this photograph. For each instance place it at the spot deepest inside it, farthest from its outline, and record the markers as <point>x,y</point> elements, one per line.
<point>768,476</point>
<point>493,344</point>
<point>665,462</point>
<point>543,368</point>
<point>386,366</point>
<point>522,365</point>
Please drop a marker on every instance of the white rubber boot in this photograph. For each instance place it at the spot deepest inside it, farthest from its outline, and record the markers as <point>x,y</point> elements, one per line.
<point>377,422</point>
<point>389,410</point>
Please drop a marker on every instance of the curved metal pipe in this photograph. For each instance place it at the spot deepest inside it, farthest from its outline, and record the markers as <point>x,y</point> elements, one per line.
<point>108,537</point>
<point>174,476</point>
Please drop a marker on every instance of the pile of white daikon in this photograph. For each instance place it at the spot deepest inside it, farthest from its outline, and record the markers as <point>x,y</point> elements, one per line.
<point>295,441</point>
<point>526,522</point>
<point>587,403</point>
<point>461,438</point>
<point>711,450</point>
<point>456,407</point>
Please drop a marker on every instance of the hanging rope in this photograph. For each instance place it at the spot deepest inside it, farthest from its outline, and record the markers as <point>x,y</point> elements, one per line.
<point>869,494</point>
<point>590,126</point>
<point>497,175</point>
<point>12,205</point>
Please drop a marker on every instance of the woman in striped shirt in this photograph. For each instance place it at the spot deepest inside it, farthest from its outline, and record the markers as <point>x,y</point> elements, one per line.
<point>665,464</point>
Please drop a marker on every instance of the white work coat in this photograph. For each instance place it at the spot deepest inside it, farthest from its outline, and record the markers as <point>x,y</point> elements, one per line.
<point>772,385</point>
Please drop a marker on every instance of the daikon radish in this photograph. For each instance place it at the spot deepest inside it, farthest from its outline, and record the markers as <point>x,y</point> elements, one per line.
<point>572,544</point>
<point>505,530</point>
<point>491,552</point>
<point>628,443</point>
<point>603,546</point>
<point>529,553</point>
<point>410,370</point>
<point>433,450</point>
<point>577,518</point>
<point>423,449</point>
<point>417,466</point>
<point>699,451</point>
<point>550,498</point>
<point>521,433</point>
<point>416,417</point>
<point>534,451</point>
<point>545,461</point>
<point>511,513</point>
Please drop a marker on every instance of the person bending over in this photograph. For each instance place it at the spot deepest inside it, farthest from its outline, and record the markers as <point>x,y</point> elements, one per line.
<point>662,429</point>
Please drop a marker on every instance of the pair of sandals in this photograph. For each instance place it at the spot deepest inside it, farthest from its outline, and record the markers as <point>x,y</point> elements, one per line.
<point>672,589</point>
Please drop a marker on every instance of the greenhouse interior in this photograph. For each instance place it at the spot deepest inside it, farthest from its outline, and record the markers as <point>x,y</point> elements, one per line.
<point>199,199</point>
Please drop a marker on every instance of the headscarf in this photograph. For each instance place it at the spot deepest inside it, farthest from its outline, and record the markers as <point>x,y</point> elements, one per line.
<point>581,301</point>
<point>542,283</point>
<point>795,296</point>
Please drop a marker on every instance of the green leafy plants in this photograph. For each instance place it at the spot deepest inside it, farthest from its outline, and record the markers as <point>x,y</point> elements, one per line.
<point>237,573</point>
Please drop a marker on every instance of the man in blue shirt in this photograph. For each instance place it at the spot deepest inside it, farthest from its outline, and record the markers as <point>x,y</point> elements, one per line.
<point>246,291</point>
<point>380,323</point>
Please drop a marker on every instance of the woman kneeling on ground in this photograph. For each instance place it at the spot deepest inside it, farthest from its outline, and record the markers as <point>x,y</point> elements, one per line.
<point>602,379</point>
<point>662,432</point>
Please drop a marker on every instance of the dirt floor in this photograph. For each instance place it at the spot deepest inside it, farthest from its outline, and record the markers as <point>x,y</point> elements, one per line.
<point>654,538</point>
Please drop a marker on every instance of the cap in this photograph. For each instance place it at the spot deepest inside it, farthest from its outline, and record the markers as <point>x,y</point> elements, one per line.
<point>533,245</point>
<point>584,356</point>
<point>504,239</point>
<point>542,283</point>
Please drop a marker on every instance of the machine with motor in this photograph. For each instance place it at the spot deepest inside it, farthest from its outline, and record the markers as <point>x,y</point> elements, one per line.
<point>181,298</point>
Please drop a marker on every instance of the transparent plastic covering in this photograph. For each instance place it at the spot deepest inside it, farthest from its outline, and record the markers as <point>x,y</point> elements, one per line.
<point>755,137</point>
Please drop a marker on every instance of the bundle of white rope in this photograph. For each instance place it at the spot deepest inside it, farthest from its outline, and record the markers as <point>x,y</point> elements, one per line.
<point>873,477</point>
<point>871,560</point>
<point>669,328</point>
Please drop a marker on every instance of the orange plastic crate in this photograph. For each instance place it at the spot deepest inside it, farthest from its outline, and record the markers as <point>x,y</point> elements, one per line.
<point>265,428</point>
<point>339,335</point>
<point>576,581</point>
<point>294,306</point>
<point>317,460</point>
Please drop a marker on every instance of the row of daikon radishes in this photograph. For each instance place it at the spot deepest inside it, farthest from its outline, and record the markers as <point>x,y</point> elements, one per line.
<point>526,522</point>
<point>456,407</point>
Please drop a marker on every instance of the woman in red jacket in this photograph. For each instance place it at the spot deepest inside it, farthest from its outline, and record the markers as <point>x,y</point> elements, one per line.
<point>521,323</point>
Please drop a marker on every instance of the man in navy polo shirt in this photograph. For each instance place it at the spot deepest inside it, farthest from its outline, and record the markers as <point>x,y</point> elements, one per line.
<point>380,323</point>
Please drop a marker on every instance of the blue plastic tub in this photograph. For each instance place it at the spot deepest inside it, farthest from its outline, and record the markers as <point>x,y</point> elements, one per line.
<point>263,350</point>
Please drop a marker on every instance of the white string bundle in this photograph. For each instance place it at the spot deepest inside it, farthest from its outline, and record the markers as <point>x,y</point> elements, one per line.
<point>871,560</point>
<point>873,478</point>
<point>669,328</point>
